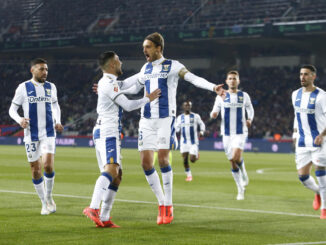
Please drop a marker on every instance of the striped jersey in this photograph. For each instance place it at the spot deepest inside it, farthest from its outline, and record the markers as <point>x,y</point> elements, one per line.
<point>162,74</point>
<point>187,125</point>
<point>109,113</point>
<point>233,112</point>
<point>310,115</point>
<point>36,100</point>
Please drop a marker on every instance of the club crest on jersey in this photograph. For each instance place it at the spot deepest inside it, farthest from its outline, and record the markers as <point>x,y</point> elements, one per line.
<point>166,68</point>
<point>48,92</point>
<point>240,98</point>
<point>116,89</point>
<point>312,100</point>
<point>191,120</point>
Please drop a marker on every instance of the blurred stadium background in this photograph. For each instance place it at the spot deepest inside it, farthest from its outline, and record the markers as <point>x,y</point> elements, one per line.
<point>265,40</point>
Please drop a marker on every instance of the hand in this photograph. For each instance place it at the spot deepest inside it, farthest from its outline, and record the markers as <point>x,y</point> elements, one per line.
<point>24,122</point>
<point>214,115</point>
<point>318,140</point>
<point>155,94</point>
<point>94,88</point>
<point>220,90</point>
<point>248,122</point>
<point>58,127</point>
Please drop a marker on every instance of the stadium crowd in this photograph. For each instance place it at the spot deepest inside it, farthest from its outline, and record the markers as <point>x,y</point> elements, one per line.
<point>39,19</point>
<point>270,90</point>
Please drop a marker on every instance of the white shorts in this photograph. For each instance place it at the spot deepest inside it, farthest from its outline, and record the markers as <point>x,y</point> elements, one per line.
<point>155,134</point>
<point>305,155</point>
<point>35,149</point>
<point>191,148</point>
<point>108,149</point>
<point>233,142</point>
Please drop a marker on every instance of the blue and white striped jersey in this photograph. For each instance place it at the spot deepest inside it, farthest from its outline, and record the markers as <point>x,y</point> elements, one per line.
<point>233,112</point>
<point>187,125</point>
<point>310,115</point>
<point>36,100</point>
<point>162,74</point>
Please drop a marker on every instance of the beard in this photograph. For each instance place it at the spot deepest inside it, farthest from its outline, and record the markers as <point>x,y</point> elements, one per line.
<point>119,72</point>
<point>40,79</point>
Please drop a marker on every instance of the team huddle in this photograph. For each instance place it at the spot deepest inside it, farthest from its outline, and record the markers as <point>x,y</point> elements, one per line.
<point>158,126</point>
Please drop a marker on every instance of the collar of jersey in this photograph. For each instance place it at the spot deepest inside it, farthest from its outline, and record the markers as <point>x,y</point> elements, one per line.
<point>113,77</point>
<point>158,62</point>
<point>37,83</point>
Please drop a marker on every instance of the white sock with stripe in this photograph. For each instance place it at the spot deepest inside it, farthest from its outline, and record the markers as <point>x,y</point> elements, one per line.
<point>309,182</point>
<point>101,186</point>
<point>40,190</point>
<point>321,177</point>
<point>167,177</point>
<point>49,182</point>
<point>237,179</point>
<point>107,204</point>
<point>154,182</point>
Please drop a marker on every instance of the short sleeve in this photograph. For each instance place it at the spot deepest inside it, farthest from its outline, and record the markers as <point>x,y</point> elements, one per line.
<point>177,66</point>
<point>323,102</point>
<point>19,95</point>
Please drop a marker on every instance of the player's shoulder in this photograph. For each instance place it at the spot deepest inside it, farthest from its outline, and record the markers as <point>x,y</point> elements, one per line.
<point>322,93</point>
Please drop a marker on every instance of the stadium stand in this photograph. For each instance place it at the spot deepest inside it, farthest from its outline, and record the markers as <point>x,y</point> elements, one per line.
<point>39,19</point>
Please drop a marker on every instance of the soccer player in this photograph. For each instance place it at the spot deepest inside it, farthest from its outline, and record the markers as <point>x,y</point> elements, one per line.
<point>234,127</point>
<point>106,135</point>
<point>309,104</point>
<point>188,123</point>
<point>42,117</point>
<point>156,126</point>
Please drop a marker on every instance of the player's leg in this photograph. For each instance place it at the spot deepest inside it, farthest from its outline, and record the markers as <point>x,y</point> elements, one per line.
<point>238,143</point>
<point>147,144</point>
<point>194,154</point>
<point>319,160</point>
<point>108,153</point>
<point>166,136</point>
<point>236,173</point>
<point>33,152</point>
<point>109,195</point>
<point>303,160</point>
<point>185,157</point>
<point>48,150</point>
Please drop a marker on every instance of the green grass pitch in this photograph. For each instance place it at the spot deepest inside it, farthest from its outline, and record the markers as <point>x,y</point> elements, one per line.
<point>277,208</point>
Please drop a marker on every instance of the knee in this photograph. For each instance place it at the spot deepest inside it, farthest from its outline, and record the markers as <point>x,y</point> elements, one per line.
<point>193,158</point>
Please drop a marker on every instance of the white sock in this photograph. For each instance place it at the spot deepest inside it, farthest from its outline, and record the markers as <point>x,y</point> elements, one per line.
<point>237,179</point>
<point>167,177</point>
<point>101,186</point>
<point>107,204</point>
<point>243,168</point>
<point>321,177</point>
<point>49,182</point>
<point>188,172</point>
<point>40,190</point>
<point>309,182</point>
<point>154,182</point>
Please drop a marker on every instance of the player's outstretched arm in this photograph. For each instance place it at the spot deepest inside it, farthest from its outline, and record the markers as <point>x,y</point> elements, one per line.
<point>133,89</point>
<point>130,105</point>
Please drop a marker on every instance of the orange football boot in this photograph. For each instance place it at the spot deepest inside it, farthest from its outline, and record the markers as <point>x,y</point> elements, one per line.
<point>161,211</point>
<point>168,215</point>
<point>93,214</point>
<point>316,203</point>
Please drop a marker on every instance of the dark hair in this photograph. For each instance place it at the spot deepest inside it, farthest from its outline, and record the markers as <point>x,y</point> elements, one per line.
<point>309,67</point>
<point>233,73</point>
<point>38,61</point>
<point>157,39</point>
<point>105,57</point>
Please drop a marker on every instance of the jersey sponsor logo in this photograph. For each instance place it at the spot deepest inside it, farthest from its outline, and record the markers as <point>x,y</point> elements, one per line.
<point>304,110</point>
<point>155,75</point>
<point>232,105</point>
<point>40,99</point>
